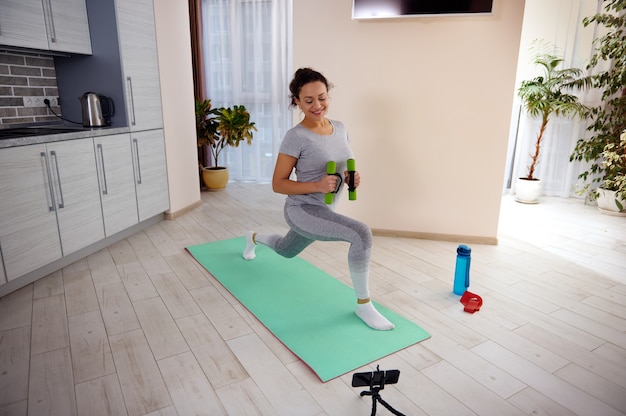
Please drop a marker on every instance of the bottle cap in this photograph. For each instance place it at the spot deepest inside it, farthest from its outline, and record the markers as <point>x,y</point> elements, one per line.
<point>463,250</point>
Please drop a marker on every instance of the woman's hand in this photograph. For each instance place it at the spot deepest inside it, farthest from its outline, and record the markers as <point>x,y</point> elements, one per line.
<point>328,183</point>
<point>357,178</point>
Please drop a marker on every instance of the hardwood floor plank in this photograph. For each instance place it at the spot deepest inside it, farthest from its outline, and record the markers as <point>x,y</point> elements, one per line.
<point>532,402</point>
<point>177,299</point>
<point>476,397</point>
<point>162,241</point>
<point>189,388</point>
<point>613,303</point>
<point>140,379</point>
<point>100,396</point>
<point>221,314</point>
<point>15,409</point>
<point>480,322</point>
<point>245,398</point>
<point>51,386</point>
<point>49,285</point>
<point>166,411</point>
<point>102,267</point>
<point>16,309</point>
<point>216,359</point>
<point>14,365</point>
<point>136,281</point>
<point>596,328</point>
<point>279,349</point>
<point>334,396</point>
<point>590,360</point>
<point>188,271</point>
<point>80,294</point>
<point>565,394</point>
<point>612,352</point>
<point>122,253</point>
<point>474,366</point>
<point>595,385</point>
<point>280,387</point>
<point>159,328</point>
<point>91,352</point>
<point>117,311</point>
<point>49,328</point>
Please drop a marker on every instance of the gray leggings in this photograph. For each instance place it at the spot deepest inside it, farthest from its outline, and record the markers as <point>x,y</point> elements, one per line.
<point>314,222</point>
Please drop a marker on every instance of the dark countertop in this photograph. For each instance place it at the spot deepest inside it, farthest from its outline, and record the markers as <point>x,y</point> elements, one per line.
<point>23,135</point>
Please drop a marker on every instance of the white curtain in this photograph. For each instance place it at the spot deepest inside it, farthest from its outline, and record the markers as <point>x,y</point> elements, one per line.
<point>247,57</point>
<point>573,42</point>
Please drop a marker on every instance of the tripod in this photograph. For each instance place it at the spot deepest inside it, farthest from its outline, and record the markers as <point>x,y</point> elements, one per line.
<point>376,381</point>
<point>374,392</point>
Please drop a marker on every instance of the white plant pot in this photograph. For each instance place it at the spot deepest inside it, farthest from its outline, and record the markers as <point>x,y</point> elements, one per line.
<point>607,205</point>
<point>527,191</point>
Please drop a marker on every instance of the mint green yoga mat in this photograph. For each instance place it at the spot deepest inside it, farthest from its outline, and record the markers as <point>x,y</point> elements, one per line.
<point>307,309</point>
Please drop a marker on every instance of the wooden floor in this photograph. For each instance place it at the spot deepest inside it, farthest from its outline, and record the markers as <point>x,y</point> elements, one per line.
<point>139,328</point>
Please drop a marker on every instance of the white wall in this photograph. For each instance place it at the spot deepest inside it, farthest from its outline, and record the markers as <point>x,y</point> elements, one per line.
<point>174,46</point>
<point>428,103</point>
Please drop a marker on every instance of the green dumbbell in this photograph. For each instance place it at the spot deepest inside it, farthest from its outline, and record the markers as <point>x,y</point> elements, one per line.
<point>331,169</point>
<point>351,187</point>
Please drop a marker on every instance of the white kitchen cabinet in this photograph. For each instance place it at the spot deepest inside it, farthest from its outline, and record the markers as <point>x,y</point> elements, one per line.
<point>68,26</point>
<point>55,25</point>
<point>150,173</point>
<point>77,195</point>
<point>114,160</point>
<point>22,24</point>
<point>140,68</point>
<point>50,206</point>
<point>29,234</point>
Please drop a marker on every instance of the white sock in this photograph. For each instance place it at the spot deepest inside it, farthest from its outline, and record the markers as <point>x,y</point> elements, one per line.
<point>368,313</point>
<point>248,252</point>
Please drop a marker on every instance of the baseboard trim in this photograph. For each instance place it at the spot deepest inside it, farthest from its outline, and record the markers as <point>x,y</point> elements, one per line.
<point>437,237</point>
<point>169,215</point>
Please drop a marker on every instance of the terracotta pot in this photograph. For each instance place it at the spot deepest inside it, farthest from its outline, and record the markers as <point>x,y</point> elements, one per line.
<point>215,178</point>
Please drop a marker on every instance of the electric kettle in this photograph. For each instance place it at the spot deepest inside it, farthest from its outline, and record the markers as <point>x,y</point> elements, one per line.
<point>97,109</point>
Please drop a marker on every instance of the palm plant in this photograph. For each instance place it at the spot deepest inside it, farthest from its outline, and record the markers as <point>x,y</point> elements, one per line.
<point>545,96</point>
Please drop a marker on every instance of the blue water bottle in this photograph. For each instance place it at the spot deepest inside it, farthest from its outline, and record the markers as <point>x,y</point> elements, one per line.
<point>461,272</point>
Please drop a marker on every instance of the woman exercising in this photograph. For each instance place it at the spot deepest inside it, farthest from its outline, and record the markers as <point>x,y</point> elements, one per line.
<point>307,147</point>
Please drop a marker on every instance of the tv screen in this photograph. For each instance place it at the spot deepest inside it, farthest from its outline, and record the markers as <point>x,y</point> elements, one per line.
<point>377,9</point>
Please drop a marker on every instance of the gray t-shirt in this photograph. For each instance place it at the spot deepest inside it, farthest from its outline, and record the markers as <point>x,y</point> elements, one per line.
<point>313,151</point>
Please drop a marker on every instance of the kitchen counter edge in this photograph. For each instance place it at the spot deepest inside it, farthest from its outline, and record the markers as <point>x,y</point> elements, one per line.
<point>50,138</point>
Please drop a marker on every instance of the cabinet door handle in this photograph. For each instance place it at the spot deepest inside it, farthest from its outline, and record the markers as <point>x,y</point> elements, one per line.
<point>138,164</point>
<point>56,164</point>
<point>51,29</point>
<point>105,186</point>
<point>131,95</point>
<point>44,156</point>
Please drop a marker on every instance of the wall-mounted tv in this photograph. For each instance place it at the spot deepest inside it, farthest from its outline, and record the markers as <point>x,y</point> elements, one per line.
<point>385,9</point>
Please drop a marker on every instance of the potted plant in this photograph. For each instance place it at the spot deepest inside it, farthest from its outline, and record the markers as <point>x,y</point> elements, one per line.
<point>217,128</point>
<point>545,96</point>
<point>612,193</point>
<point>605,149</point>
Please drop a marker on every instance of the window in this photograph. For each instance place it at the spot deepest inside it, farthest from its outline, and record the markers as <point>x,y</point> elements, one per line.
<point>247,54</point>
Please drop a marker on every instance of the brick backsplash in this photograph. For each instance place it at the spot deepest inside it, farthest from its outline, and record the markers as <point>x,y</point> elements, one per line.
<point>23,75</point>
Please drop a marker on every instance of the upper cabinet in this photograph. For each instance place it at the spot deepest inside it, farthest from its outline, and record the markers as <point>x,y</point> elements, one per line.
<point>140,67</point>
<point>68,28</point>
<point>22,24</point>
<point>54,25</point>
